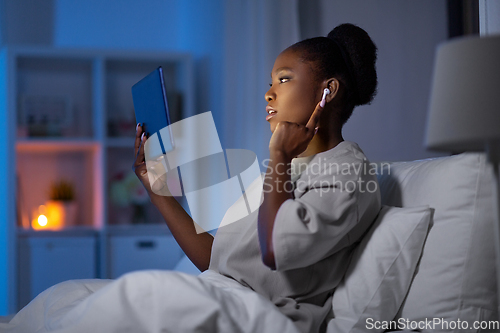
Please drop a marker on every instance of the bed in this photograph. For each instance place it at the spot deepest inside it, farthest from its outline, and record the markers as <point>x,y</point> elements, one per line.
<point>427,264</point>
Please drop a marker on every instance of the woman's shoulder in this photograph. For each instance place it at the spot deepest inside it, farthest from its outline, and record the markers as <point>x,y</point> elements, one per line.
<point>343,150</point>
<point>344,155</point>
<point>345,162</point>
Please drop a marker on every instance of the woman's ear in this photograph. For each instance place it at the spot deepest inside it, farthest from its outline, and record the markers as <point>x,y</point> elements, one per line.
<point>333,85</point>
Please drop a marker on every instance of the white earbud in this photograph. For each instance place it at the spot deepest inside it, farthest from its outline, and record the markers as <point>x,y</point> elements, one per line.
<point>326,91</point>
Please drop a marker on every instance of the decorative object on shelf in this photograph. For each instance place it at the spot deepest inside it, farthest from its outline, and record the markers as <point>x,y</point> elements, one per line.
<point>59,211</point>
<point>464,109</point>
<point>121,126</point>
<point>40,220</point>
<point>62,207</point>
<point>62,191</point>
<point>50,216</point>
<point>45,115</point>
<point>127,190</point>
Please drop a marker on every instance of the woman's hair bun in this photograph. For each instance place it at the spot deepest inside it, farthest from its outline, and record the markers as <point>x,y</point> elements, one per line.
<point>360,50</point>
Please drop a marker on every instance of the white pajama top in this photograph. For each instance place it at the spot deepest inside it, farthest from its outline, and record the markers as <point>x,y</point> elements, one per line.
<point>336,198</point>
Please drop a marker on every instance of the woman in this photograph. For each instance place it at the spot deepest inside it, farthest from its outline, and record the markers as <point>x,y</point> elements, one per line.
<point>287,257</point>
<point>295,250</point>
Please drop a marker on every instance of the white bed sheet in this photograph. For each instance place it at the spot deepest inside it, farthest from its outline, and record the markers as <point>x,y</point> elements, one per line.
<point>150,301</point>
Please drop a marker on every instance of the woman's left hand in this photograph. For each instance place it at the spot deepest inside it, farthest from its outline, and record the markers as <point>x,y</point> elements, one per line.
<point>291,139</point>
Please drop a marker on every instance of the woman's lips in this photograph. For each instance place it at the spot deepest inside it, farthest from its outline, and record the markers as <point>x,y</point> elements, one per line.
<point>271,112</point>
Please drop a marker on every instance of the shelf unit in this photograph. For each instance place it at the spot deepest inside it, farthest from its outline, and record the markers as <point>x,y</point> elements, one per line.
<point>68,114</point>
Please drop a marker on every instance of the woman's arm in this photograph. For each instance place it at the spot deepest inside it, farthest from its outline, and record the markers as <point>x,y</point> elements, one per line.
<point>197,246</point>
<point>288,141</point>
<point>276,181</point>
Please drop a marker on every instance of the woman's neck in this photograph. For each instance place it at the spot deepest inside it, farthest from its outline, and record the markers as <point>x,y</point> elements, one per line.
<point>322,141</point>
<point>329,133</point>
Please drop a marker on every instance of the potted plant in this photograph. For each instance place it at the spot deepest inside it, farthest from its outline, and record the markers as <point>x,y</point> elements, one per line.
<point>62,205</point>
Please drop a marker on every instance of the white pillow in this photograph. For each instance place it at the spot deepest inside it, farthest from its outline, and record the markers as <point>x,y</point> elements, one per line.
<point>456,276</point>
<point>381,270</point>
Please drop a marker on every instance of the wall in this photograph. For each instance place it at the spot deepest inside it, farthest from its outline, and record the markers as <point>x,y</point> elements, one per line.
<point>489,17</point>
<point>406,33</point>
<point>6,297</point>
<point>2,20</point>
<point>125,24</point>
<point>193,26</point>
<point>202,33</point>
<point>257,31</point>
<point>27,21</point>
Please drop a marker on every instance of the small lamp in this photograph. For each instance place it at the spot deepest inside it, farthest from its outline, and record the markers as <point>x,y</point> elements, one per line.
<point>464,108</point>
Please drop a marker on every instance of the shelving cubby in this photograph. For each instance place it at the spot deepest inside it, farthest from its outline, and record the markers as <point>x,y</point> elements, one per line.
<point>69,116</point>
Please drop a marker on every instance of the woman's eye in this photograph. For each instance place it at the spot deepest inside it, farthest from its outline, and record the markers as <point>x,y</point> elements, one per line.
<point>281,80</point>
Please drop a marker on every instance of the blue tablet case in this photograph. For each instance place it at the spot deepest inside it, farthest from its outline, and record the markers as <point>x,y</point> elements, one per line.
<point>151,108</point>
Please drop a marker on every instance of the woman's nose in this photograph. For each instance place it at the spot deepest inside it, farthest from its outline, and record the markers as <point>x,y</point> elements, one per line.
<point>269,96</point>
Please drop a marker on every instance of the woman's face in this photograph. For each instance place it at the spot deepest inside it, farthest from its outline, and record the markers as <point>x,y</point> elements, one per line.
<point>294,90</point>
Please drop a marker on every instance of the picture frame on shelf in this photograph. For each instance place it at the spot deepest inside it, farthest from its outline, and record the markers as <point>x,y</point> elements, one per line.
<point>45,115</point>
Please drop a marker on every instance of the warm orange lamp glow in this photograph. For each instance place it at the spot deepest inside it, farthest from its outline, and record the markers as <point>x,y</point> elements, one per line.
<point>49,216</point>
<point>42,220</point>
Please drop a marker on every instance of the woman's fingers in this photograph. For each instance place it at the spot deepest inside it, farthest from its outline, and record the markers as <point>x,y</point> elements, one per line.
<point>292,138</point>
<point>314,119</point>
<point>138,133</point>
<point>139,159</point>
<point>140,140</point>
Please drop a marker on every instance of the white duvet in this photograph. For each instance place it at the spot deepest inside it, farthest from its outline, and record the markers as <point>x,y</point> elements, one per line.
<point>150,301</point>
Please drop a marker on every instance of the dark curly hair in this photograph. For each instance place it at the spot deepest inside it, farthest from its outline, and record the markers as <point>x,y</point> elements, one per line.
<point>349,55</point>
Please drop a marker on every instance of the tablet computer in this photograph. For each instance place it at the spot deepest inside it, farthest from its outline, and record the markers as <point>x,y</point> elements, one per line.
<point>151,108</point>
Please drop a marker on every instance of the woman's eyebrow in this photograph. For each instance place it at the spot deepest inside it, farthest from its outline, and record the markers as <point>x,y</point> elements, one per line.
<point>281,69</point>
